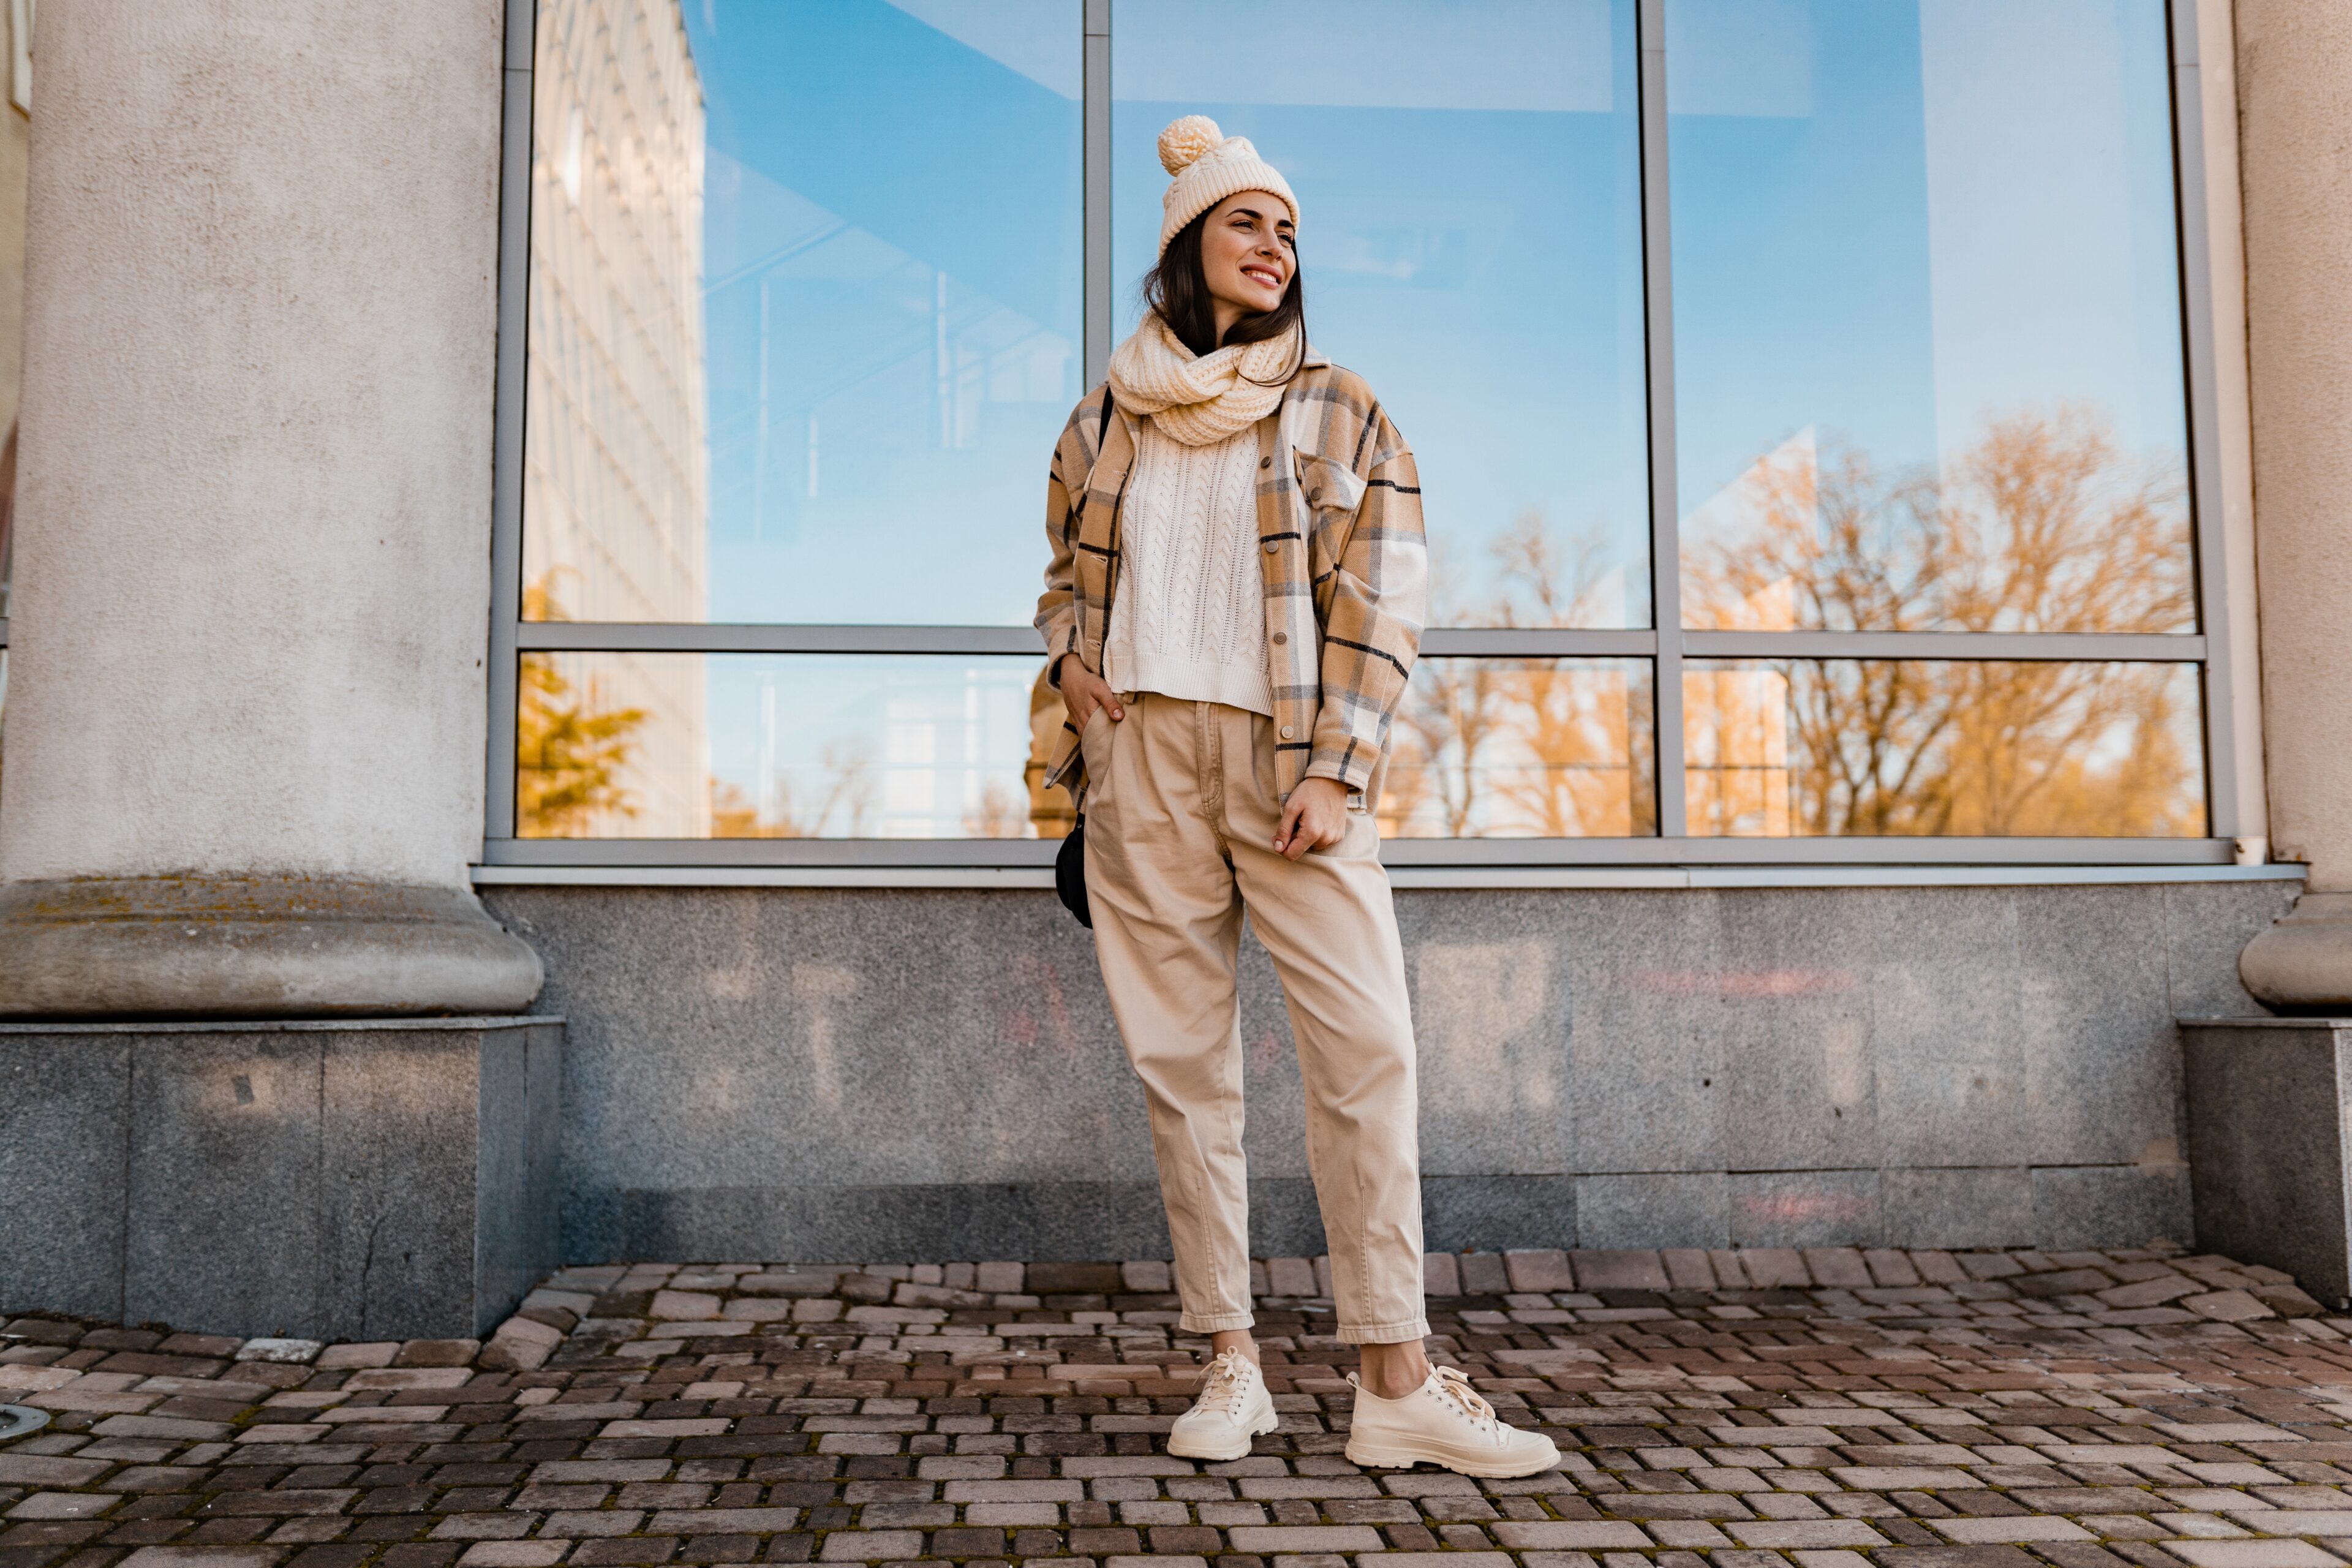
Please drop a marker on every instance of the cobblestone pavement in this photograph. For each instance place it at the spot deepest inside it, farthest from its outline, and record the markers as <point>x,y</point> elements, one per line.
<point>1758,1409</point>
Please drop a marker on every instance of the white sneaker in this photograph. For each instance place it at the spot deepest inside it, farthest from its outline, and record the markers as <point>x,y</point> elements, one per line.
<point>1443,1422</point>
<point>1234,1407</point>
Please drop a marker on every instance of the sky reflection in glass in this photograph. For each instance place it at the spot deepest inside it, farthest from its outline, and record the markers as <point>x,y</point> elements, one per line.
<point>893,291</point>
<point>1921,246</point>
<point>1469,185</point>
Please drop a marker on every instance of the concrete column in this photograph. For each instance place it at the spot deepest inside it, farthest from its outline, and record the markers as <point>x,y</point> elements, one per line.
<point>2295,120</point>
<point>252,587</point>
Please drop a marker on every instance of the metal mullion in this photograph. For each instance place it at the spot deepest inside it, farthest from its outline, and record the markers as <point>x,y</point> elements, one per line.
<point>4,631</point>
<point>506,464</point>
<point>2098,648</point>
<point>1022,853</point>
<point>680,636</point>
<point>1403,877</point>
<point>1804,851</point>
<point>950,852</point>
<point>1096,120</point>
<point>2204,420</point>
<point>990,878</point>
<point>1665,533</point>
<point>1536,642</point>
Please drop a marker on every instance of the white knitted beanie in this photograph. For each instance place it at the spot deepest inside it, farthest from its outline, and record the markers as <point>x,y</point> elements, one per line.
<point>1209,167</point>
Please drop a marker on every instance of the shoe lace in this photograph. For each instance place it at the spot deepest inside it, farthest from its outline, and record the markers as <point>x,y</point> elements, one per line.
<point>1456,1385</point>
<point>1226,1378</point>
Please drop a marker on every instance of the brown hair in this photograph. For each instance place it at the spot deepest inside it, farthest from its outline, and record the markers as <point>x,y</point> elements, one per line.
<point>1177,291</point>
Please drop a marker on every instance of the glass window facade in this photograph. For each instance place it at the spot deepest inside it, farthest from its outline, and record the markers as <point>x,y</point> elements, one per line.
<point>1797,388</point>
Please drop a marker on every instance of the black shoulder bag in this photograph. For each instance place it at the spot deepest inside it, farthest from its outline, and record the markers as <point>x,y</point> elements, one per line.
<point>1070,874</point>
<point>1070,860</point>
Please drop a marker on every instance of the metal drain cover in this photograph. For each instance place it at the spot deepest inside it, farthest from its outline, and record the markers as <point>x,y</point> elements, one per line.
<point>20,1420</point>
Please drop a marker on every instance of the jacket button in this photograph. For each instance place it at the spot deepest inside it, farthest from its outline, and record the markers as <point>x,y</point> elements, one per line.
<point>1281,637</point>
<point>1271,547</point>
<point>1266,462</point>
<point>1286,731</point>
<point>1313,498</point>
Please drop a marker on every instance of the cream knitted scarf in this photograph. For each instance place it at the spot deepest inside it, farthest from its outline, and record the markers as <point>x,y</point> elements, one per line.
<point>1198,400</point>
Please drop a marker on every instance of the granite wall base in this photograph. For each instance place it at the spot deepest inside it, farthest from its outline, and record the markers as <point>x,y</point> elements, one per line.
<point>865,1074</point>
<point>2270,1113</point>
<point>359,1180</point>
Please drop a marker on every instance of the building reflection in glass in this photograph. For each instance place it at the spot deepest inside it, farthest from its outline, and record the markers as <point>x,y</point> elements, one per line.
<point>615,448</point>
<point>882,316</point>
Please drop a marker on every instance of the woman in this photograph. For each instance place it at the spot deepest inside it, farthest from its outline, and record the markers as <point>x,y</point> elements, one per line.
<point>1234,603</point>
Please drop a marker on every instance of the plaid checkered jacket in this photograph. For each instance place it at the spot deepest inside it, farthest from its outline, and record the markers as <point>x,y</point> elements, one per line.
<point>1345,568</point>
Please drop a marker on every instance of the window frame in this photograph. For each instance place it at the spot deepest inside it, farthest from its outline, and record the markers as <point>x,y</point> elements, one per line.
<point>2227,733</point>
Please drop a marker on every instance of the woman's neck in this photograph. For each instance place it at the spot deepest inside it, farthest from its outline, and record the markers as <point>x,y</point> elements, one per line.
<point>1225,316</point>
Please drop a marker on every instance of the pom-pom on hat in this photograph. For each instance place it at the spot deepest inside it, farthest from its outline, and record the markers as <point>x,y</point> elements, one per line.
<point>1207,166</point>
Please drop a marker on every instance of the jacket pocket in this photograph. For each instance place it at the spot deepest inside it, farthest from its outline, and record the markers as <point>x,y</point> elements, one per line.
<point>1329,484</point>
<point>1333,492</point>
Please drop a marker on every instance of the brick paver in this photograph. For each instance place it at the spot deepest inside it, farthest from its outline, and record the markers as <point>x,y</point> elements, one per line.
<point>1817,1408</point>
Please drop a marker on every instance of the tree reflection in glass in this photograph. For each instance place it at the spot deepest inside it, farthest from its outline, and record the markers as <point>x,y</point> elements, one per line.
<point>2042,525</point>
<point>1862,748</point>
<point>787,745</point>
<point>1523,748</point>
<point>574,745</point>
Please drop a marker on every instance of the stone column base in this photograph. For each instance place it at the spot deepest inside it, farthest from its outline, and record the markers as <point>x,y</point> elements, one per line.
<point>2270,1113</point>
<point>253,947</point>
<point>353,1180</point>
<point>2304,963</point>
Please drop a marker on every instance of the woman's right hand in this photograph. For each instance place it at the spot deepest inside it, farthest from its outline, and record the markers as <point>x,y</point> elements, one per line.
<point>1083,692</point>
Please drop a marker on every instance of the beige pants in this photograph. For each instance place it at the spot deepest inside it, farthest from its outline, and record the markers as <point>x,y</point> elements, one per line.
<point>1180,817</point>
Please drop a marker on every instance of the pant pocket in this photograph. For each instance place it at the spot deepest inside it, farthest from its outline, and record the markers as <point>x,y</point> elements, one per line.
<point>1360,837</point>
<point>1095,745</point>
<point>1261,762</point>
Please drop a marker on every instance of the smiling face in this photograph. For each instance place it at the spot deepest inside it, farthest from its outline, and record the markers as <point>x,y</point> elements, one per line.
<point>1248,255</point>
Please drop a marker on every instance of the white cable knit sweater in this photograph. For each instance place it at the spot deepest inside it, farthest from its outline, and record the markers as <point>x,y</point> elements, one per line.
<point>1189,617</point>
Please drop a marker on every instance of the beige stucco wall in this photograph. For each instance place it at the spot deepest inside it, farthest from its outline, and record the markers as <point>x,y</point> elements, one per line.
<point>16,139</point>
<point>2295,60</point>
<point>252,582</point>
<point>2216,78</point>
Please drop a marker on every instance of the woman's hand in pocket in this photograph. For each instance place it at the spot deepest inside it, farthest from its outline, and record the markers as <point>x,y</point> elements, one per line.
<point>1314,817</point>
<point>1083,692</point>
